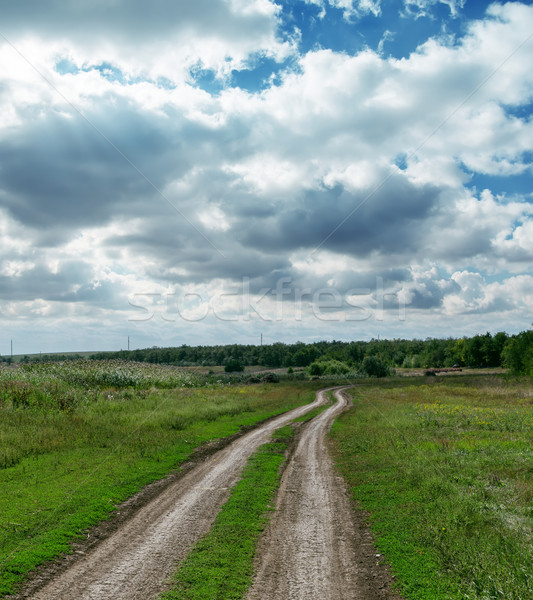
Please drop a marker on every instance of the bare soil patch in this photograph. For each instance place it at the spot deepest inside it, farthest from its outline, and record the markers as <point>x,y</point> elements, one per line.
<point>132,556</point>
<point>316,545</point>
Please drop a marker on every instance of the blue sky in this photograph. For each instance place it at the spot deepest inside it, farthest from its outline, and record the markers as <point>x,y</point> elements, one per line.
<point>205,172</point>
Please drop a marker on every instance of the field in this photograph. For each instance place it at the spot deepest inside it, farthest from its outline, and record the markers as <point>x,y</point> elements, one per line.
<point>77,438</point>
<point>442,466</point>
<point>445,470</point>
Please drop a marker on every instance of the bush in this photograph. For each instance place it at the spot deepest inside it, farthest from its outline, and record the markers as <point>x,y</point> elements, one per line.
<point>233,365</point>
<point>335,367</point>
<point>373,366</point>
<point>316,369</point>
<point>328,367</point>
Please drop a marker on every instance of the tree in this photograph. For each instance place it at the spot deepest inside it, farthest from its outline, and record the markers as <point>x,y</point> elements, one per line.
<point>374,367</point>
<point>518,353</point>
<point>233,365</point>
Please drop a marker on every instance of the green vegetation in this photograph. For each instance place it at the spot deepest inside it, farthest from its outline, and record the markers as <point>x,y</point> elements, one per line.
<point>233,365</point>
<point>220,566</point>
<point>518,353</point>
<point>334,358</point>
<point>373,366</point>
<point>78,440</point>
<point>328,367</point>
<point>63,385</point>
<point>445,470</point>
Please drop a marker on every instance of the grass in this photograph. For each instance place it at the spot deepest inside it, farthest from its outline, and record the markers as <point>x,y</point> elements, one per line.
<point>220,566</point>
<point>63,470</point>
<point>445,471</point>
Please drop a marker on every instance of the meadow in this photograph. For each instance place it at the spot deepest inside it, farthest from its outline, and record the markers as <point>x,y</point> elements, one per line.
<point>444,468</point>
<point>78,438</point>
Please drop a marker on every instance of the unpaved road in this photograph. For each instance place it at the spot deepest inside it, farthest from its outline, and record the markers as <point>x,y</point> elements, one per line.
<point>314,546</point>
<point>135,561</point>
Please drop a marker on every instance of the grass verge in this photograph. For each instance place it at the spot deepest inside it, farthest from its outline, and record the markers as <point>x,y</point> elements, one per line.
<point>445,472</point>
<point>65,470</point>
<point>220,566</point>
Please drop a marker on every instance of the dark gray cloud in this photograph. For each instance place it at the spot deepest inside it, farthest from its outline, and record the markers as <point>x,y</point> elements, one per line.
<point>60,173</point>
<point>129,21</point>
<point>41,282</point>
<point>392,219</point>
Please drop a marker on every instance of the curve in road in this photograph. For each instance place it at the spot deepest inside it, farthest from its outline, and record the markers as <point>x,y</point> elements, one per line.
<point>313,546</point>
<point>134,562</point>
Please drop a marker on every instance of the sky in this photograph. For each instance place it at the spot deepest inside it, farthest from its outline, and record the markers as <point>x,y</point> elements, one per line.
<point>206,172</point>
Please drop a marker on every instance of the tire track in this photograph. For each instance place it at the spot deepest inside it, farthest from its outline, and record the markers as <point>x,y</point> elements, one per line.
<point>134,562</point>
<point>313,547</point>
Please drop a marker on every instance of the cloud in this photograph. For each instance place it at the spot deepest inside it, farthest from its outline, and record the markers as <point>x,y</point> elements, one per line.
<point>167,36</point>
<point>423,8</point>
<point>351,9</point>
<point>476,296</point>
<point>351,168</point>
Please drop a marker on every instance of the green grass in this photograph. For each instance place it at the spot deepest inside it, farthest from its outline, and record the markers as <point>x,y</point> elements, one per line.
<point>220,566</point>
<point>62,471</point>
<point>445,470</point>
<point>315,412</point>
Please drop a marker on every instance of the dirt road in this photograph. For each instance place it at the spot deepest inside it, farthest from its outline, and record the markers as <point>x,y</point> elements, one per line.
<point>135,561</point>
<point>315,547</point>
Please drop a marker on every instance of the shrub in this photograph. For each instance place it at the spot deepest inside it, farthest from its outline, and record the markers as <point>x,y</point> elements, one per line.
<point>373,366</point>
<point>233,365</point>
<point>316,369</point>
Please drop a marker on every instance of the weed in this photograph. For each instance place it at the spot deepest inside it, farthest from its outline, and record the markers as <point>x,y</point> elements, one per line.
<point>444,469</point>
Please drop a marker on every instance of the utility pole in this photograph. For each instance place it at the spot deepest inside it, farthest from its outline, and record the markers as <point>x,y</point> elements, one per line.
<point>11,348</point>
<point>261,339</point>
<point>128,343</point>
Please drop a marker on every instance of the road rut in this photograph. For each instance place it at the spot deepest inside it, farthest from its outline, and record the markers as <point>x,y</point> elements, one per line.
<point>314,547</point>
<point>134,562</point>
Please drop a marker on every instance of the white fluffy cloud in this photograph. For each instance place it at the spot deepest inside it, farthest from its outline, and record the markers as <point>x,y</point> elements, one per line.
<point>352,169</point>
<point>422,8</point>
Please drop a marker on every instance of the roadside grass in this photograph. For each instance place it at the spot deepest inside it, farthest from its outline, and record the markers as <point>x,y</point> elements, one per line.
<point>220,566</point>
<point>64,470</point>
<point>313,413</point>
<point>444,470</point>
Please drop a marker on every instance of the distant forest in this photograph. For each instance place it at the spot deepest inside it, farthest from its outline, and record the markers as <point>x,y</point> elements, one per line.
<point>500,350</point>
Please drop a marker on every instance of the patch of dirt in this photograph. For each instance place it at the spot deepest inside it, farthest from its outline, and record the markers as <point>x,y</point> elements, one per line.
<point>131,556</point>
<point>316,546</point>
<point>123,513</point>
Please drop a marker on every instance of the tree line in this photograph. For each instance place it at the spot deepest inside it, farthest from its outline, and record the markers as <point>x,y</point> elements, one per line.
<point>514,352</point>
<point>480,351</point>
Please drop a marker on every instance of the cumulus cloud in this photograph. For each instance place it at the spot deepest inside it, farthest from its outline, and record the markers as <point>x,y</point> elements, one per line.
<point>353,9</point>
<point>165,38</point>
<point>119,173</point>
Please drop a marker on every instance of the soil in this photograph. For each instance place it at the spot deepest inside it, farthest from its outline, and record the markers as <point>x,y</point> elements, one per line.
<point>135,561</point>
<point>316,546</point>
